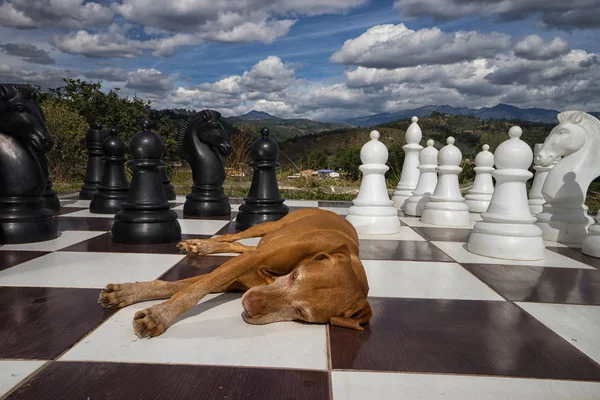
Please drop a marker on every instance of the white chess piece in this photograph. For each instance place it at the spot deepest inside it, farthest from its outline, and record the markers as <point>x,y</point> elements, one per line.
<point>536,198</point>
<point>446,206</point>
<point>427,181</point>
<point>479,197</point>
<point>373,212</point>
<point>508,230</point>
<point>591,244</point>
<point>410,172</point>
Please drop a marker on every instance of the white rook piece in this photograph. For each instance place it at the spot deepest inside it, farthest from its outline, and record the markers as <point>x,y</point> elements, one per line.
<point>577,140</point>
<point>536,198</point>
<point>373,212</point>
<point>427,181</point>
<point>446,206</point>
<point>508,230</point>
<point>410,172</point>
<point>591,244</point>
<point>479,197</point>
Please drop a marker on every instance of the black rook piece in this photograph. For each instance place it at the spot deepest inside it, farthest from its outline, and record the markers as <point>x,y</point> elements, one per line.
<point>264,202</point>
<point>23,133</point>
<point>199,139</point>
<point>166,181</point>
<point>49,197</point>
<point>112,192</point>
<point>146,217</point>
<point>95,166</point>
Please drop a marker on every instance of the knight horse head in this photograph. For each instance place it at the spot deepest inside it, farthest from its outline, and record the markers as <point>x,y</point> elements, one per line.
<point>204,127</point>
<point>22,117</point>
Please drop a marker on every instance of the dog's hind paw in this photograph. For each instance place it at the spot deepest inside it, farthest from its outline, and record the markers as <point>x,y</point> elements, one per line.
<point>147,325</point>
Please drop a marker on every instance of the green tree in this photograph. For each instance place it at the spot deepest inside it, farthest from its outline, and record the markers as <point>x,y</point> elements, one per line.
<point>348,160</point>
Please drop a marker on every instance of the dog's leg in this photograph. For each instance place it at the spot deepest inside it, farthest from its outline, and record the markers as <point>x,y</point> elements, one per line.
<point>203,247</point>
<point>280,258</point>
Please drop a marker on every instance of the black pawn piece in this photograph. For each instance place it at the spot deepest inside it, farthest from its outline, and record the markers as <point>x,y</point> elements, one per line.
<point>166,181</point>
<point>49,196</point>
<point>95,166</point>
<point>113,190</point>
<point>264,202</point>
<point>145,216</point>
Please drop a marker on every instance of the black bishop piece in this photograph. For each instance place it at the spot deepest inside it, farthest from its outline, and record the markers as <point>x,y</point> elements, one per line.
<point>114,187</point>
<point>146,217</point>
<point>264,202</point>
<point>95,166</point>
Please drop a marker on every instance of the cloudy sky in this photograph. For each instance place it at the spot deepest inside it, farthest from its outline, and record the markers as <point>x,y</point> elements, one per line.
<point>321,59</point>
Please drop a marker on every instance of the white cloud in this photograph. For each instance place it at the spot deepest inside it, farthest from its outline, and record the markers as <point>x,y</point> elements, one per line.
<point>150,81</point>
<point>27,14</point>
<point>533,47</point>
<point>393,46</point>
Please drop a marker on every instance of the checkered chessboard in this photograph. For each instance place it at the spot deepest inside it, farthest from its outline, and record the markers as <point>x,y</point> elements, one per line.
<point>447,323</point>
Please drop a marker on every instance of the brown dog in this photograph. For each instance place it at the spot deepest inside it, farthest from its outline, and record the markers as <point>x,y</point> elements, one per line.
<point>306,267</point>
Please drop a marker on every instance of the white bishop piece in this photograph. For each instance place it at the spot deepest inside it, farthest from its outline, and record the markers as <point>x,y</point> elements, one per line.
<point>410,172</point>
<point>507,230</point>
<point>427,181</point>
<point>479,197</point>
<point>446,206</point>
<point>373,211</point>
<point>536,198</point>
<point>591,244</point>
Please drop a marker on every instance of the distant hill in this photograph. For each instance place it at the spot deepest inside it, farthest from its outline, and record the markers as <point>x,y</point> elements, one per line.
<point>254,116</point>
<point>500,111</point>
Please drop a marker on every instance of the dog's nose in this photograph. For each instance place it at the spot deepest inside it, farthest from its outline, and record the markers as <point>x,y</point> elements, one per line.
<point>253,304</point>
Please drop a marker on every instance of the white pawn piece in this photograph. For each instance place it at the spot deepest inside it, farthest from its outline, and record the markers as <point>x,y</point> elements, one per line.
<point>536,198</point>
<point>373,212</point>
<point>479,197</point>
<point>591,244</point>
<point>508,230</point>
<point>410,172</point>
<point>446,206</point>
<point>427,181</point>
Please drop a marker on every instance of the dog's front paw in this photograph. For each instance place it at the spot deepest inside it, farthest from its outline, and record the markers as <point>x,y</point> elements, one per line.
<point>117,295</point>
<point>197,246</point>
<point>147,325</point>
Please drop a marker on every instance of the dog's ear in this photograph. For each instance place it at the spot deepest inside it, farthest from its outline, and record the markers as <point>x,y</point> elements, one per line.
<point>355,321</point>
<point>342,251</point>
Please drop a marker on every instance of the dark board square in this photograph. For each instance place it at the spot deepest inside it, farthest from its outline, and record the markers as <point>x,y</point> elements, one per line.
<point>404,250</point>
<point>458,337</point>
<point>74,380</point>
<point>443,234</point>
<point>41,323</point>
<point>194,265</point>
<point>85,224</point>
<point>539,284</point>
<point>10,258</point>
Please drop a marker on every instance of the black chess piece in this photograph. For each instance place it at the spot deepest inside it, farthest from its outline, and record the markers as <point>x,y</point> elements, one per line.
<point>264,202</point>
<point>49,196</point>
<point>166,181</point>
<point>94,138</point>
<point>146,216</point>
<point>199,139</point>
<point>113,190</point>
<point>23,133</point>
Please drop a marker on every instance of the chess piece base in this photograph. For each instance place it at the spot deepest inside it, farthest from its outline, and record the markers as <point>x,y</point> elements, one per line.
<point>507,241</point>
<point>374,220</point>
<point>170,191</point>
<point>254,213</point>
<point>415,205</point>
<point>151,228</point>
<point>564,224</point>
<point>400,197</point>
<point>50,199</point>
<point>26,221</point>
<point>535,206</point>
<point>455,214</point>
<point>87,191</point>
<point>478,203</point>
<point>591,244</point>
<point>206,202</point>
<point>108,203</point>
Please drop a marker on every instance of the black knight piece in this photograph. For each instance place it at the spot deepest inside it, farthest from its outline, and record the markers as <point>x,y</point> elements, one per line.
<point>199,138</point>
<point>146,216</point>
<point>23,133</point>
<point>95,166</point>
<point>264,202</point>
<point>113,190</point>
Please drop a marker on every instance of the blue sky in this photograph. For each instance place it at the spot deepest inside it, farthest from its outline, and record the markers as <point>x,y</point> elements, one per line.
<point>321,59</point>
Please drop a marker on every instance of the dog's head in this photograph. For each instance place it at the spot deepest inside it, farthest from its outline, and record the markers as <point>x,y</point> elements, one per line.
<point>324,289</point>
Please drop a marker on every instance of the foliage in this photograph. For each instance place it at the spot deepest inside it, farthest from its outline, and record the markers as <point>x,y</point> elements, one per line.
<point>348,160</point>
<point>317,159</point>
<point>242,143</point>
<point>68,157</point>
<point>168,132</point>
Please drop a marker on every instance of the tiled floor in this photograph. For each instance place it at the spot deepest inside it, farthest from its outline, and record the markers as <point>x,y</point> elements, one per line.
<point>447,324</point>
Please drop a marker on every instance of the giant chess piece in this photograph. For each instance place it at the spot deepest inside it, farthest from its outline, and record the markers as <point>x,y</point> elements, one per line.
<point>577,140</point>
<point>446,206</point>
<point>49,196</point>
<point>373,212</point>
<point>591,244</point>
<point>410,172</point>
<point>264,202</point>
<point>427,181</point>
<point>479,197</point>
<point>508,230</point>
<point>114,187</point>
<point>200,140</point>
<point>23,133</point>
<point>536,198</point>
<point>166,181</point>
<point>94,138</point>
<point>146,217</point>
